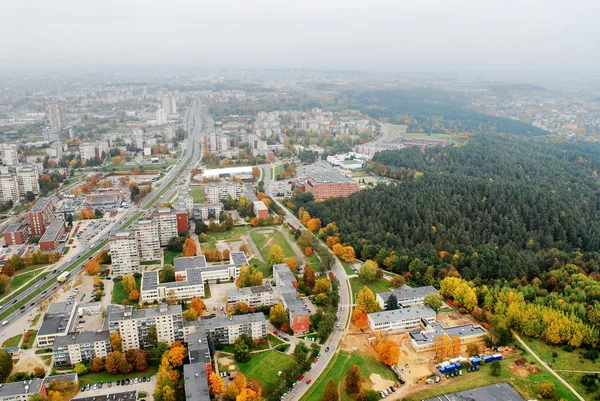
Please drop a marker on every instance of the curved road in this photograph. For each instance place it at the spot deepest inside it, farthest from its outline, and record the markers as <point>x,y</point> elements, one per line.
<point>198,124</point>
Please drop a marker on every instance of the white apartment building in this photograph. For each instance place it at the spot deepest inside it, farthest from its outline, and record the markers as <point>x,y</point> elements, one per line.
<point>9,155</point>
<point>87,151</point>
<point>138,138</point>
<point>132,325</point>
<point>28,180</point>
<point>9,188</point>
<point>167,225</point>
<point>80,346</point>
<point>204,211</point>
<point>148,242</point>
<point>401,319</point>
<point>161,117</point>
<point>254,297</point>
<point>184,198</point>
<point>169,104</point>
<point>124,253</point>
<point>226,330</point>
<point>216,192</point>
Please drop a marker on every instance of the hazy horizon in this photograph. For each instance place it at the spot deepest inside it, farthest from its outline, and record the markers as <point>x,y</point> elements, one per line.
<point>430,35</point>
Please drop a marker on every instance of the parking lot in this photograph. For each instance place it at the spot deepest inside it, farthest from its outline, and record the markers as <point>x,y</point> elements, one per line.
<point>110,388</point>
<point>90,231</point>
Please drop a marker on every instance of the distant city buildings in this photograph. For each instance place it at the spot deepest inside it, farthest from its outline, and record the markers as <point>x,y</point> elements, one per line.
<point>161,117</point>
<point>9,155</point>
<point>56,116</point>
<point>169,104</point>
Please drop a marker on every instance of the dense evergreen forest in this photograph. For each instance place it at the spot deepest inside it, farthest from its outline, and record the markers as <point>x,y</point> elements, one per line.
<point>494,208</point>
<point>434,111</point>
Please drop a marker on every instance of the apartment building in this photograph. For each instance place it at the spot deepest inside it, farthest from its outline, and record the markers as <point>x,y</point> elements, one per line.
<point>286,284</point>
<point>148,239</point>
<point>170,224</point>
<point>40,216</point>
<point>161,117</point>
<point>9,188</point>
<point>56,115</point>
<point>23,390</point>
<point>28,180</point>
<point>406,296</point>
<point>218,191</point>
<point>226,330</point>
<point>124,253</point>
<point>207,211</point>
<point>401,319</point>
<point>260,209</point>
<point>87,151</point>
<point>80,346</point>
<point>132,324</point>
<point>254,297</point>
<point>196,373</point>
<point>16,234</point>
<point>53,234</point>
<point>169,104</point>
<point>184,200</point>
<point>56,323</point>
<point>9,155</point>
<point>190,275</point>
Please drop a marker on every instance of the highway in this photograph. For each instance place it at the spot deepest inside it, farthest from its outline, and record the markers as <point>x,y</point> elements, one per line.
<point>343,316</point>
<point>198,124</point>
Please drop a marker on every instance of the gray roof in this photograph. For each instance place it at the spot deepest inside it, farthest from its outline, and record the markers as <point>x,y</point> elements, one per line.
<point>149,280</point>
<point>238,258</point>
<point>65,376</point>
<point>188,262</point>
<point>56,319</point>
<point>402,313</point>
<point>41,204</point>
<point>14,227</point>
<point>18,388</point>
<point>123,396</point>
<point>283,271</point>
<point>435,330</point>
<point>118,314</point>
<point>122,234</point>
<point>233,320</point>
<point>324,173</point>
<point>83,337</point>
<point>249,192</point>
<point>193,277</point>
<point>493,392</point>
<point>53,230</point>
<point>194,373</point>
<point>407,293</point>
<point>104,200</point>
<point>288,291</point>
<point>257,289</point>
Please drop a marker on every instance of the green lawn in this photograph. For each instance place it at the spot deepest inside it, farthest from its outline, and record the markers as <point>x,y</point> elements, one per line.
<point>29,343</point>
<point>574,379</point>
<point>347,268</point>
<point>197,193</point>
<point>565,360</point>
<point>337,368</point>
<point>93,378</point>
<point>119,294</point>
<point>274,341</point>
<point>264,366</point>
<point>206,291</point>
<point>262,267</point>
<point>264,242</point>
<point>12,342</point>
<point>235,234</point>
<point>35,320</point>
<point>66,250</point>
<point>526,386</point>
<point>21,279</point>
<point>357,284</point>
<point>170,255</point>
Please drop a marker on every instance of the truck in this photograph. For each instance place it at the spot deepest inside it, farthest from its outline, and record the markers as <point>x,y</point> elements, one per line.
<point>63,277</point>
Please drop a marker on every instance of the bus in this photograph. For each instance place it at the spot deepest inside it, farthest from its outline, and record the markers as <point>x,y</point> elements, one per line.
<point>63,277</point>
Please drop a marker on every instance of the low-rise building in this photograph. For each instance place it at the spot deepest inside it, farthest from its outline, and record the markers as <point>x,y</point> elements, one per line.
<point>56,323</point>
<point>16,234</point>
<point>195,373</point>
<point>406,296</point>
<point>254,297</point>
<point>117,396</point>
<point>132,324</point>
<point>53,234</point>
<point>23,390</point>
<point>260,209</point>
<point>493,392</point>
<point>424,340</point>
<point>401,319</point>
<point>80,346</point>
<point>323,181</point>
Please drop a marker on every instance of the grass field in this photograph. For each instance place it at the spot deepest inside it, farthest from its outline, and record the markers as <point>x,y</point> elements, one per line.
<point>29,343</point>
<point>262,267</point>
<point>93,378</point>
<point>119,294</point>
<point>564,360</point>
<point>235,234</point>
<point>526,386</point>
<point>274,341</point>
<point>348,268</point>
<point>197,193</point>
<point>574,379</point>
<point>264,242</point>
<point>337,368</point>
<point>400,129</point>
<point>357,284</point>
<point>264,366</point>
<point>170,255</point>
<point>21,279</point>
<point>12,342</point>
<point>35,320</point>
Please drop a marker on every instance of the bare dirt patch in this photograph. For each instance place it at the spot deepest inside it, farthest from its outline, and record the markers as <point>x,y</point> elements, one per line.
<point>518,370</point>
<point>380,383</point>
<point>27,365</point>
<point>222,246</point>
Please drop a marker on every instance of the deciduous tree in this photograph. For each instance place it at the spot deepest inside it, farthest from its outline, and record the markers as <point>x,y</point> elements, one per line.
<point>276,255</point>
<point>331,392</point>
<point>309,277</point>
<point>189,247</point>
<point>177,353</point>
<point>278,315</point>
<point>97,364</point>
<point>215,384</point>
<point>92,267</point>
<point>322,286</point>
<point>141,360</point>
<point>116,342</point>
<point>129,283</point>
<point>360,319</point>
<point>134,295</point>
<point>292,263</point>
<point>366,302</point>
<point>198,305</point>
<point>353,380</point>
<point>305,239</point>
<point>387,351</point>
<point>249,276</point>
<point>368,271</point>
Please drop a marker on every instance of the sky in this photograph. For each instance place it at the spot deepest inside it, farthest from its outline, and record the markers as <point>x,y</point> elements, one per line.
<point>348,34</point>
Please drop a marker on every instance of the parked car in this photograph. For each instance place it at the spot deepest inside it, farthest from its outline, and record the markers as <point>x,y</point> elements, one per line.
<point>308,381</point>
<point>326,349</point>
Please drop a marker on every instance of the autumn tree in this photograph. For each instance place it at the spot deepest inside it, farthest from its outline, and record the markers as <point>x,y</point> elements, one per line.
<point>397,281</point>
<point>433,300</point>
<point>313,225</point>
<point>129,283</point>
<point>141,360</point>
<point>116,342</point>
<point>366,302</point>
<point>387,351</point>
<point>176,354</point>
<point>279,315</point>
<point>112,363</point>
<point>134,295</point>
<point>353,380</point>
<point>305,239</point>
<point>189,247</point>
<point>39,372</point>
<point>308,251</point>
<point>368,271</point>
<point>331,392</point>
<point>292,263</point>
<point>276,255</point>
<point>241,308</point>
<point>360,320</point>
<point>190,315</point>
<point>546,389</point>
<point>473,349</point>
<point>332,240</point>
<point>86,214</point>
<point>309,277</point>
<point>215,384</point>
<point>348,254</point>
<point>198,305</point>
<point>322,286</point>
<point>97,364</point>
<point>92,267</point>
<point>249,277</point>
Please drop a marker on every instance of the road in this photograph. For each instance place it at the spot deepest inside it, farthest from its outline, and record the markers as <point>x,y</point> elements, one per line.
<point>548,368</point>
<point>343,316</point>
<point>198,124</point>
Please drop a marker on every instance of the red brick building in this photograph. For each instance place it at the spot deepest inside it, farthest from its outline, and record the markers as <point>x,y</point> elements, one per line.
<point>323,181</point>
<point>182,222</point>
<point>40,215</point>
<point>16,234</point>
<point>53,235</point>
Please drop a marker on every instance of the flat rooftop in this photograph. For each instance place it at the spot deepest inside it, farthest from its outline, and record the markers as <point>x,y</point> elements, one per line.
<point>402,313</point>
<point>323,172</point>
<point>56,319</point>
<point>22,387</point>
<point>422,337</point>
<point>257,289</point>
<point>54,230</point>
<point>123,234</point>
<point>233,320</point>
<point>494,392</point>
<point>128,313</point>
<point>194,373</point>
<point>41,204</point>
<point>408,293</point>
<point>14,228</point>
<point>189,262</point>
<point>82,337</point>
<point>124,396</point>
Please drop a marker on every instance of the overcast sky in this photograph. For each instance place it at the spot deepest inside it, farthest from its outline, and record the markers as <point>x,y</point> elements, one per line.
<point>394,34</point>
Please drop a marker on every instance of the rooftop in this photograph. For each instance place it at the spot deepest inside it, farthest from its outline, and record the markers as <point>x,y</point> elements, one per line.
<point>189,262</point>
<point>124,396</point>
<point>82,337</point>
<point>260,205</point>
<point>323,172</point>
<point>257,289</point>
<point>408,293</point>
<point>123,234</point>
<point>56,319</point>
<point>233,320</point>
<point>104,200</point>
<point>493,392</point>
<point>41,204</point>
<point>126,313</point>
<point>15,227</point>
<point>18,388</point>
<point>194,373</point>
<point>53,230</point>
<point>434,330</point>
<point>402,313</point>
